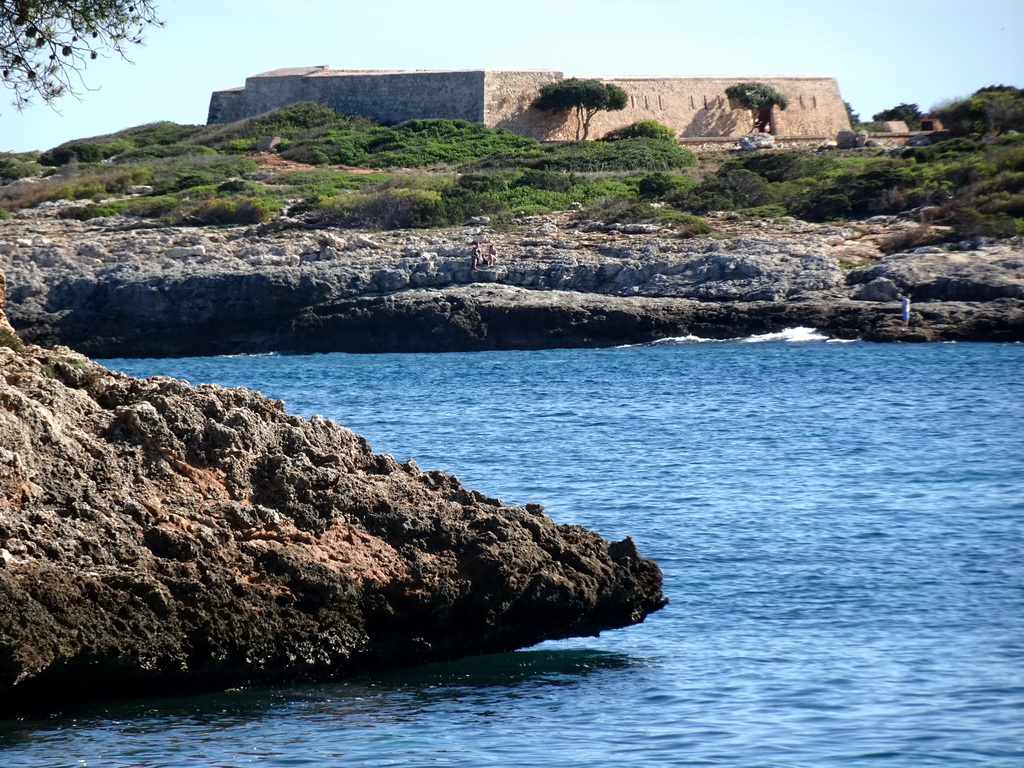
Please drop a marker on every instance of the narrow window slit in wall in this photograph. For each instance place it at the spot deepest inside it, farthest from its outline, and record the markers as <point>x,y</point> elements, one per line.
<point>815,98</point>
<point>661,104</point>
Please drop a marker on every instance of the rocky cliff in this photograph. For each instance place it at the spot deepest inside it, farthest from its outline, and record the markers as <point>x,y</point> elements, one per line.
<point>118,288</point>
<point>158,537</point>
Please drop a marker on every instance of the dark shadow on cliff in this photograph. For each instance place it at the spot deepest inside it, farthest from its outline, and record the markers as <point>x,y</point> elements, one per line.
<point>713,121</point>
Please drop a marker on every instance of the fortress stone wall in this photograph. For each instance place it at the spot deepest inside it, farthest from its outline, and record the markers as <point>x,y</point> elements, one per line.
<point>694,107</point>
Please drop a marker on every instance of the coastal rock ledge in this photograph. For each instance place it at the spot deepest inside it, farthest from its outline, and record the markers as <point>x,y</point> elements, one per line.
<point>157,537</point>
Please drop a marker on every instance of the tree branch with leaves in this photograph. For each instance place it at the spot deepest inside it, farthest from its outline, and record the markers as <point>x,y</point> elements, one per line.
<point>585,98</point>
<point>46,44</point>
<point>759,98</point>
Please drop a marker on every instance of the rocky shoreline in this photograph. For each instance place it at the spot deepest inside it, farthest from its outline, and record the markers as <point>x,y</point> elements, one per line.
<point>121,287</point>
<point>157,537</point>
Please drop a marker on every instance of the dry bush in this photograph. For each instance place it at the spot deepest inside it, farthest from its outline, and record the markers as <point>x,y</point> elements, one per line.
<point>922,234</point>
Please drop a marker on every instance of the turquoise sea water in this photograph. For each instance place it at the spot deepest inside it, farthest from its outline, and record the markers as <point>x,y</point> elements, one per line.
<point>841,528</point>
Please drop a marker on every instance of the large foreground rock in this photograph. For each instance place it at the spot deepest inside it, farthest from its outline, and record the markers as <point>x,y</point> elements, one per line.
<point>159,537</point>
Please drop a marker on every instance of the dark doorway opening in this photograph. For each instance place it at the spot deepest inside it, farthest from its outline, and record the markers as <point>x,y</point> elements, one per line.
<point>763,121</point>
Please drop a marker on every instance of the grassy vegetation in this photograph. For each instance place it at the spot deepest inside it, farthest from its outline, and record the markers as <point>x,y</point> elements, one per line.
<point>11,341</point>
<point>425,173</point>
<point>976,187</point>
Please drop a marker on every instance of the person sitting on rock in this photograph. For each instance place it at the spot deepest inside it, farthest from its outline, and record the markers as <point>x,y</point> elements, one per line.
<point>492,255</point>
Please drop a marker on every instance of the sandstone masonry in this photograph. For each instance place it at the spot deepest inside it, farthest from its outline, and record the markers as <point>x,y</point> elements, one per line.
<point>694,107</point>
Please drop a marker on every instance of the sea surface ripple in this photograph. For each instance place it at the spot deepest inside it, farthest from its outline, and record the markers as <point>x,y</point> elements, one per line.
<point>841,528</point>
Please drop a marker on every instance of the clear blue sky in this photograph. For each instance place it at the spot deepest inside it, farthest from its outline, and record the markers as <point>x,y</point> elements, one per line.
<point>883,52</point>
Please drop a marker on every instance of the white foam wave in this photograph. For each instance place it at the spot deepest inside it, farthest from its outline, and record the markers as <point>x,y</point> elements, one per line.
<point>691,339</point>
<point>799,334</point>
<point>251,354</point>
<point>789,335</point>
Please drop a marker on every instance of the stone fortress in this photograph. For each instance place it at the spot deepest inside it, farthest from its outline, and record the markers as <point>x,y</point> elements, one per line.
<point>694,107</point>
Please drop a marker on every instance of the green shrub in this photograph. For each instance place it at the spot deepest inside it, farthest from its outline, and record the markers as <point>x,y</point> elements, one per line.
<point>159,133</point>
<point>622,210</point>
<point>18,167</point>
<point>943,150</point>
<point>419,143</point>
<point>657,186</point>
<point>993,109</point>
<point>92,211</point>
<point>220,212</point>
<point>645,129</point>
<point>603,157</point>
<point>783,166</point>
<point>595,188</point>
<point>291,122</point>
<point>967,222</point>
<point>159,151</point>
<point>732,189</point>
<point>145,208</point>
<point>78,151</point>
<point>94,182</point>
<point>151,207</point>
<point>461,203</point>
<point>181,173</point>
<point>324,182</point>
<point>824,206</point>
<point>532,200</point>
<point>298,119</point>
<point>11,341</point>
<point>84,191</point>
<point>388,209</point>
<point>87,151</point>
<point>771,211</point>
<point>411,144</point>
<point>492,182</point>
<point>309,155</point>
<point>591,157</point>
<point>686,224</point>
<point>238,187</point>
<point>550,180</point>
<point>239,146</point>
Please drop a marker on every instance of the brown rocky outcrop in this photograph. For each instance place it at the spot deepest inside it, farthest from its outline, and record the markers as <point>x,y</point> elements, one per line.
<point>120,287</point>
<point>159,537</point>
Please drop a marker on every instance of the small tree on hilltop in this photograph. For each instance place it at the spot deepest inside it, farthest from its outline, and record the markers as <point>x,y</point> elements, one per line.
<point>851,115</point>
<point>904,113</point>
<point>584,97</point>
<point>759,98</point>
<point>45,44</point>
<point>993,109</point>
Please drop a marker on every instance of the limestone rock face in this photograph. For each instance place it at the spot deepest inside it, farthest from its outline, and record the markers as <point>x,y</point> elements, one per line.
<point>6,331</point>
<point>933,274</point>
<point>109,289</point>
<point>159,537</point>
<point>851,139</point>
<point>754,141</point>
